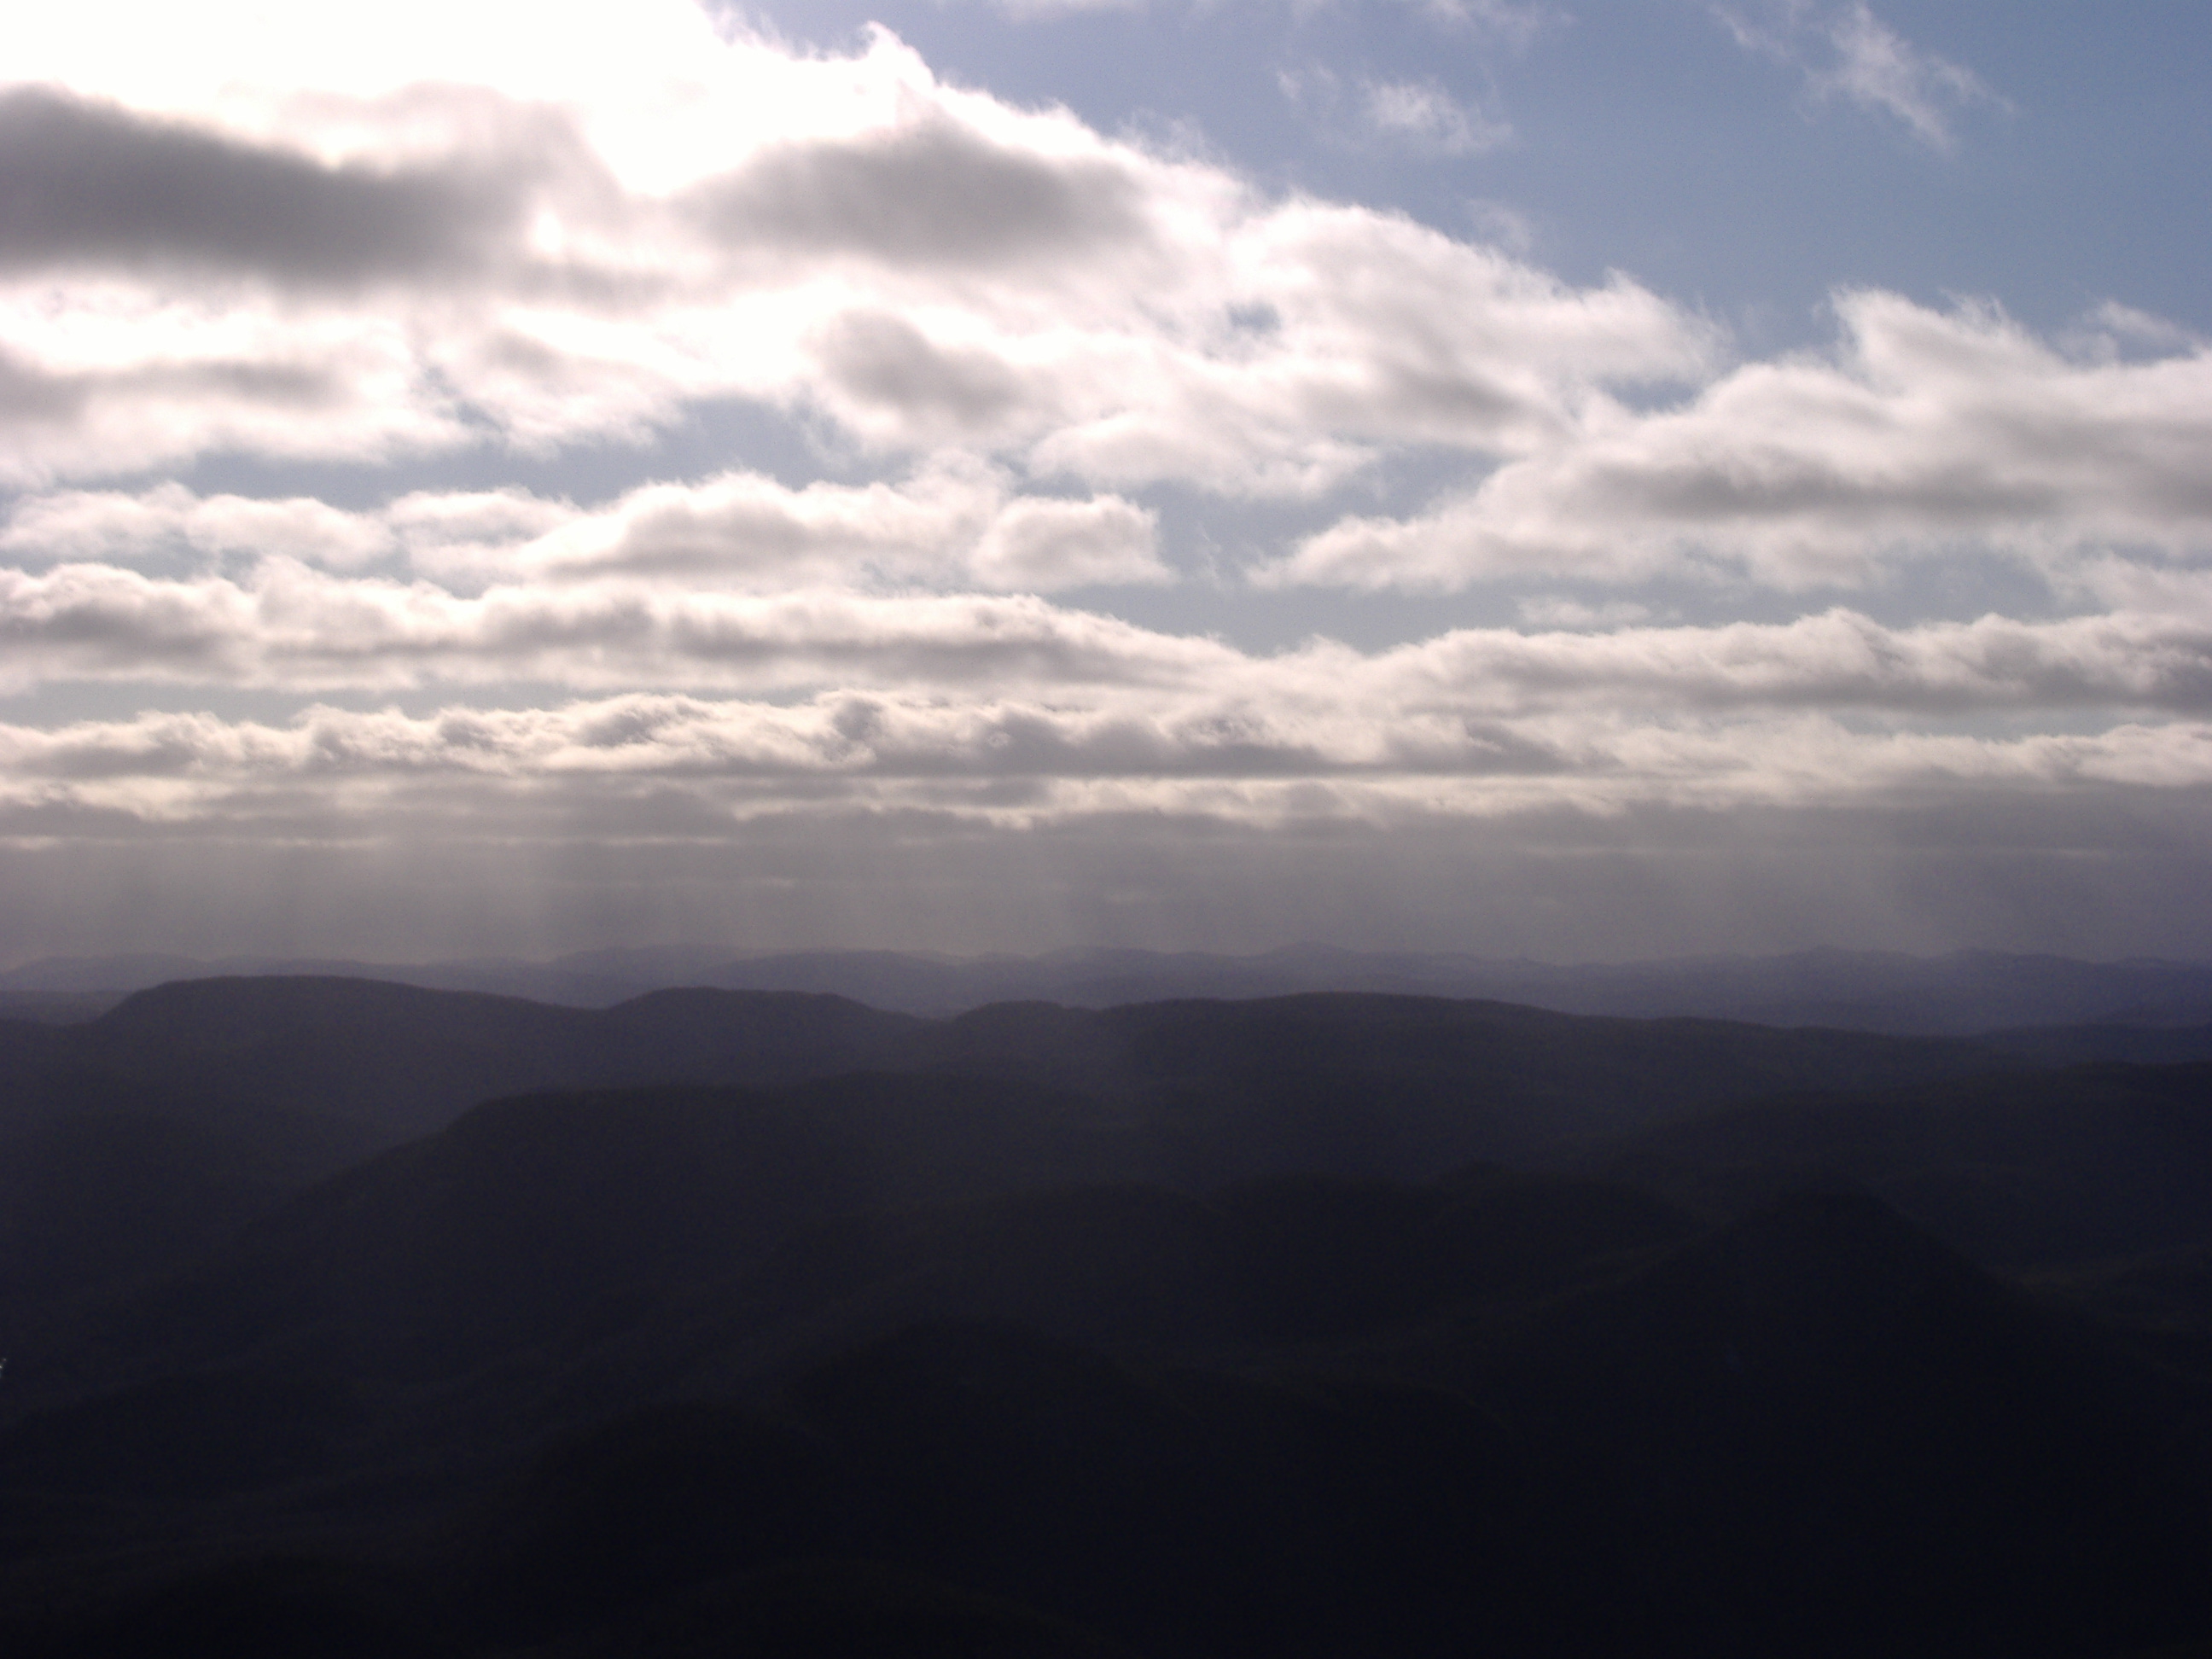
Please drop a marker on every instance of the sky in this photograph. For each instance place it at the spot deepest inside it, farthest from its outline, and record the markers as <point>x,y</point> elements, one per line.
<point>1584,481</point>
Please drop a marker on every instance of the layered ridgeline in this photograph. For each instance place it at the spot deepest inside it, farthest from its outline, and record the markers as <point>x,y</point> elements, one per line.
<point>1962,993</point>
<point>349,1317</point>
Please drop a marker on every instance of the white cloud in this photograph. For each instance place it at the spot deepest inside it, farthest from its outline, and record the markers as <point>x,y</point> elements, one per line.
<point>688,761</point>
<point>362,259</point>
<point>1877,69</point>
<point>1548,612</point>
<point>1514,23</point>
<point>74,526</point>
<point>1422,114</point>
<point>952,525</point>
<point>1517,24</point>
<point>1029,11</point>
<point>255,238</point>
<point>291,628</point>
<point>1923,433</point>
<point>1848,52</point>
<point>1042,544</point>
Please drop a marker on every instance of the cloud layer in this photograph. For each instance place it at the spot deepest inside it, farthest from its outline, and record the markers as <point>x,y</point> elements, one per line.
<point>1924,434</point>
<point>1847,52</point>
<point>397,272</point>
<point>1049,381</point>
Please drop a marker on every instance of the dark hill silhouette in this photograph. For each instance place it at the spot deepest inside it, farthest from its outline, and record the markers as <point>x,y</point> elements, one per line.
<point>92,1200</point>
<point>1960,994</point>
<point>1399,1087</point>
<point>2111,1041</point>
<point>502,1231</point>
<point>412,1060</point>
<point>1195,1328</point>
<point>47,1070</point>
<point>1173,1511</point>
<point>1813,1431</point>
<point>1407,1087</point>
<point>831,1609</point>
<point>1292,1262</point>
<point>2017,1170</point>
<point>1817,1398</point>
<point>56,1007</point>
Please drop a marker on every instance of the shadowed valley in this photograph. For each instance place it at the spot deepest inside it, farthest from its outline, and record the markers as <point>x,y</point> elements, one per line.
<point>353,1318</point>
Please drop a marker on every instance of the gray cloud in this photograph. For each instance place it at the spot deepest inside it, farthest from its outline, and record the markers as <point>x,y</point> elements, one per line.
<point>1238,762</point>
<point>942,271</point>
<point>737,686</point>
<point>29,394</point>
<point>1924,430</point>
<point>1838,660</point>
<point>1422,114</point>
<point>886,362</point>
<point>929,191</point>
<point>298,630</point>
<point>1848,52</point>
<point>951,525</point>
<point>86,184</point>
<point>429,866</point>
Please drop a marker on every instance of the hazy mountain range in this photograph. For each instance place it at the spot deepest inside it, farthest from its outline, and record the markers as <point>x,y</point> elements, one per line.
<point>1959,993</point>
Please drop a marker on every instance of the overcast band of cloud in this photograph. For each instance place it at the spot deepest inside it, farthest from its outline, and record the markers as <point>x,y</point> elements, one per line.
<point>1018,762</point>
<point>1925,434</point>
<point>939,269</point>
<point>1037,369</point>
<point>294,629</point>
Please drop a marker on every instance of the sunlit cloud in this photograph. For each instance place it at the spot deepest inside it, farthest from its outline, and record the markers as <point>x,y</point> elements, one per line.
<point>1846,52</point>
<point>351,360</point>
<point>1924,433</point>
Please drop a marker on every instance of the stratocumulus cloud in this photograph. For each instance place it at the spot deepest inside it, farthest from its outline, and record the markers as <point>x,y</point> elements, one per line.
<point>1924,432</point>
<point>950,526</point>
<point>291,628</point>
<point>937,268</point>
<point>367,389</point>
<point>1848,52</point>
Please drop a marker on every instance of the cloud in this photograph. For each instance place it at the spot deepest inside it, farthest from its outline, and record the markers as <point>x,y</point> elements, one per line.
<point>291,628</point>
<point>1043,545</point>
<point>1040,356</point>
<point>1850,53</point>
<point>1030,11</point>
<point>1549,613</point>
<point>1878,69</point>
<point>1924,432</point>
<point>1380,332</point>
<point>906,384</point>
<point>1516,24</point>
<point>950,525</point>
<point>387,265</point>
<point>928,191</point>
<point>76,527</point>
<point>130,382</point>
<point>688,761</point>
<point>1422,114</point>
<point>93,186</point>
<point>1838,661</point>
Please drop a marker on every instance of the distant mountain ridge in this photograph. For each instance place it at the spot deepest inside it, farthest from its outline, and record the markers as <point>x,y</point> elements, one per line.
<point>1378,1075</point>
<point>766,1321</point>
<point>1961,994</point>
<point>214,1097</point>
